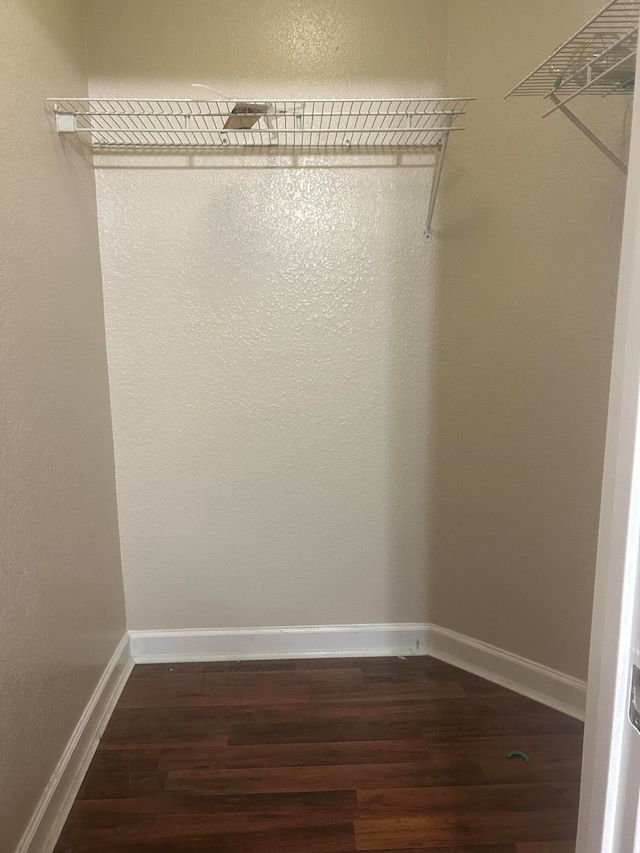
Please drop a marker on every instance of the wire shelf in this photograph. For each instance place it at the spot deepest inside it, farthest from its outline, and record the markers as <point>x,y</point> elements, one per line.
<point>130,123</point>
<point>598,60</point>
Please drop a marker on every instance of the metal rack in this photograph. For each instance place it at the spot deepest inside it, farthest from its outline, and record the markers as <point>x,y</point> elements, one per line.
<point>143,124</point>
<point>598,60</point>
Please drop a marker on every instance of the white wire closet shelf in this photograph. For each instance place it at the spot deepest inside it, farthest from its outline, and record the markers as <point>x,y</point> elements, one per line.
<point>173,124</point>
<point>142,123</point>
<point>598,60</point>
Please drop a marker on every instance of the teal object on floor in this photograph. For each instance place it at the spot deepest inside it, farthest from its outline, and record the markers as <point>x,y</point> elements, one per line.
<point>517,754</point>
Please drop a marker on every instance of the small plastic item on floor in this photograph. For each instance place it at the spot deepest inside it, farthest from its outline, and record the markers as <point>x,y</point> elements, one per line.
<point>516,753</point>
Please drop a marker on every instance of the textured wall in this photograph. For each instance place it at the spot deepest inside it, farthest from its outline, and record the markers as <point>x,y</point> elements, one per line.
<point>270,329</point>
<point>316,417</point>
<point>61,600</point>
<point>530,253</point>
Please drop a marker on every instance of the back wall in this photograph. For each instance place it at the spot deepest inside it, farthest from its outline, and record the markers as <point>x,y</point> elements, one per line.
<point>270,328</point>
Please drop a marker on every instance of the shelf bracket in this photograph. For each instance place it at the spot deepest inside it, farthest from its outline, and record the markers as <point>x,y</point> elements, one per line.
<point>66,122</point>
<point>435,184</point>
<point>588,133</point>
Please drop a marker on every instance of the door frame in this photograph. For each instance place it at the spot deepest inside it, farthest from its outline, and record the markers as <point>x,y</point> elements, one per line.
<point>603,767</point>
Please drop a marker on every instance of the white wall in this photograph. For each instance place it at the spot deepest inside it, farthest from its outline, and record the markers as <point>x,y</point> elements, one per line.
<point>530,253</point>
<point>270,329</point>
<point>61,597</point>
<point>318,419</point>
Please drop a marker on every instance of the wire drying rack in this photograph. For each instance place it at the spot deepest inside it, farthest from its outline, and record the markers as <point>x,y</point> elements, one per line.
<point>141,123</point>
<point>144,124</point>
<point>599,60</point>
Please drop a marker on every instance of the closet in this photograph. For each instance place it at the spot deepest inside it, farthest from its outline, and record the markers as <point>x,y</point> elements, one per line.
<point>311,308</point>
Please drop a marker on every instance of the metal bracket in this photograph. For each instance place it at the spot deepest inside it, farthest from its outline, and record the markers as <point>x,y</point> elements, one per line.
<point>435,184</point>
<point>589,133</point>
<point>65,122</point>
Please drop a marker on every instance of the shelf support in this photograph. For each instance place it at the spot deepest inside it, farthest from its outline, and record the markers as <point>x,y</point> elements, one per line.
<point>588,133</point>
<point>66,122</point>
<point>435,184</point>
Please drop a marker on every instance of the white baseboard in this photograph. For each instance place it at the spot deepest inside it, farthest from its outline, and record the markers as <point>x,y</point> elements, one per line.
<point>524,676</point>
<point>313,641</point>
<point>48,819</point>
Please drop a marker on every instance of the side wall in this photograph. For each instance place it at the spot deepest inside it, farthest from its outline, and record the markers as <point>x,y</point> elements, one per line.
<point>530,253</point>
<point>61,597</point>
<point>270,323</point>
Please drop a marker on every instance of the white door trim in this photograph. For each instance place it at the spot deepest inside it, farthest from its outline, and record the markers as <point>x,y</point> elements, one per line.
<point>618,548</point>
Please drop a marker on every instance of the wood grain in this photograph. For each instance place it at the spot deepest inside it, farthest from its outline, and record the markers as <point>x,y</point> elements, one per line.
<point>377,754</point>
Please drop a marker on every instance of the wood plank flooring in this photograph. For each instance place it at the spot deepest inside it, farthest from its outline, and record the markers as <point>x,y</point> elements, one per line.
<point>326,756</point>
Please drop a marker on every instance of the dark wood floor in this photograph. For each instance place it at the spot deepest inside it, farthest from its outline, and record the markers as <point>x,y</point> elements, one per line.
<point>316,756</point>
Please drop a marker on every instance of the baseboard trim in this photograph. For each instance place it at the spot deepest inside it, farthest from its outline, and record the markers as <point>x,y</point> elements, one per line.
<point>313,641</point>
<point>48,819</point>
<point>524,676</point>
